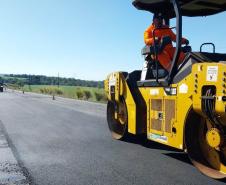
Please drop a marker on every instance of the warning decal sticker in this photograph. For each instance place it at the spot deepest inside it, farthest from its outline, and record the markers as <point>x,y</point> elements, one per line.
<point>212,73</point>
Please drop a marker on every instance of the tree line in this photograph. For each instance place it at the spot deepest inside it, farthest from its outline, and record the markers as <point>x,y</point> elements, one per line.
<point>24,79</point>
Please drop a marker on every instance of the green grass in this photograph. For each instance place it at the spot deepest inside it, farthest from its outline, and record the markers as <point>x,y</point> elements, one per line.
<point>68,91</point>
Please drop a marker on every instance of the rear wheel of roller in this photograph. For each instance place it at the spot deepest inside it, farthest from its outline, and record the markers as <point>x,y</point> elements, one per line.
<point>118,127</point>
<point>205,146</point>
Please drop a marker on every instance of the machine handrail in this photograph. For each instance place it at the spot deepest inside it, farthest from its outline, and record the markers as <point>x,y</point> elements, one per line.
<point>208,43</point>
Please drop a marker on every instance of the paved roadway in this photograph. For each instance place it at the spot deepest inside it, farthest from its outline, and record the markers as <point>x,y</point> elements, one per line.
<point>66,142</point>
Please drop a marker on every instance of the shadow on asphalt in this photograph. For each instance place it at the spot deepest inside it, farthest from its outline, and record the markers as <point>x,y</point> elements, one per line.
<point>142,140</point>
<point>180,156</point>
<point>222,180</point>
<point>172,152</point>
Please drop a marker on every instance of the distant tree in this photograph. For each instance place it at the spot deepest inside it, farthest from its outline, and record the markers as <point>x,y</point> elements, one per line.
<point>44,80</point>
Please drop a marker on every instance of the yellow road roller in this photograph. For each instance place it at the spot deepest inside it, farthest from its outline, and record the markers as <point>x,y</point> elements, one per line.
<point>183,108</point>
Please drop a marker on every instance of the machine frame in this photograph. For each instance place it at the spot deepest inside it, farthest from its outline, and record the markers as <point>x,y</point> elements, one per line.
<point>185,110</point>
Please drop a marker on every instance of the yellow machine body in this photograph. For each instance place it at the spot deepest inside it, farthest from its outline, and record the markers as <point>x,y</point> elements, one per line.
<point>167,108</point>
<point>117,87</point>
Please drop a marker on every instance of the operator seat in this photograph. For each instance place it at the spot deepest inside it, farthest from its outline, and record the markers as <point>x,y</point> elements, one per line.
<point>149,70</point>
<point>150,66</point>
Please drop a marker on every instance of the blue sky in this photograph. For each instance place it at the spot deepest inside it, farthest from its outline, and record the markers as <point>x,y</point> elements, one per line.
<point>85,39</point>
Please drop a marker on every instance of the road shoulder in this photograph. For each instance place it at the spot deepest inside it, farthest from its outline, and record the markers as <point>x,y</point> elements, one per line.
<point>10,170</point>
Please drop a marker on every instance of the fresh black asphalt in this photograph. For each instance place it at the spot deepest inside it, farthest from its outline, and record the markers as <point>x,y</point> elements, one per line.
<point>67,142</point>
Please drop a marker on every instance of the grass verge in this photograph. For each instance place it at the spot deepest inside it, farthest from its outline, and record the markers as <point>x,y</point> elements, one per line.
<point>74,92</point>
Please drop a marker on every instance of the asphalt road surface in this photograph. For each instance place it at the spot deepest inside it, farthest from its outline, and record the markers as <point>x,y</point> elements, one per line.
<point>64,141</point>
